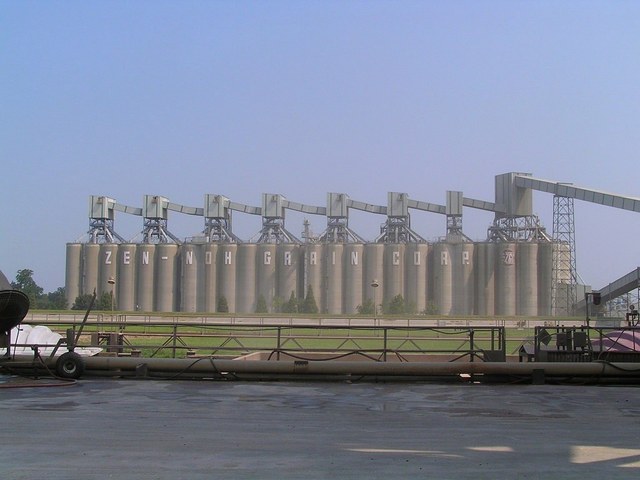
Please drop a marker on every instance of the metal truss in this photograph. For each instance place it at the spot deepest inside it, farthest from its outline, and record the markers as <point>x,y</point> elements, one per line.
<point>564,273</point>
<point>518,229</point>
<point>620,306</point>
<point>101,231</point>
<point>273,231</point>
<point>398,230</point>
<point>218,230</point>
<point>155,231</point>
<point>454,229</point>
<point>338,231</point>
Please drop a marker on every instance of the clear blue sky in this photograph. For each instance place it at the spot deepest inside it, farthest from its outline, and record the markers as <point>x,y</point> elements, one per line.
<point>183,98</point>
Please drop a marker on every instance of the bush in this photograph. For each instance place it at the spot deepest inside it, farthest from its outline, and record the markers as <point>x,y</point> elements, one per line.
<point>396,305</point>
<point>309,304</point>
<point>367,307</point>
<point>261,306</point>
<point>223,305</point>
<point>82,302</point>
<point>291,306</point>
<point>431,309</point>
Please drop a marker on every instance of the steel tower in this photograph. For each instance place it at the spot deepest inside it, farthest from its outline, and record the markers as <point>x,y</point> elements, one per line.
<point>565,278</point>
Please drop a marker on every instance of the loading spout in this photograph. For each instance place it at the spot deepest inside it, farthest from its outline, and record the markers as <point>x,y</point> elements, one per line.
<point>14,306</point>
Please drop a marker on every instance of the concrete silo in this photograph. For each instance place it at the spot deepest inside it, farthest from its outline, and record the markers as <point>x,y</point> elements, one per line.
<point>266,274</point>
<point>485,268</point>
<point>73,269</point>
<point>393,284</point>
<point>333,267</point>
<point>373,270</point>
<point>353,277</point>
<point>509,274</point>
<point>527,279</point>
<point>506,278</point>
<point>288,270</point>
<point>227,275</point>
<point>442,277</point>
<point>463,294</point>
<point>246,277</point>
<point>107,266</point>
<point>166,277</point>
<point>90,268</point>
<point>145,283</point>
<point>191,265</point>
<point>210,282</point>
<point>126,277</point>
<point>312,275</point>
<point>545,277</point>
<point>416,259</point>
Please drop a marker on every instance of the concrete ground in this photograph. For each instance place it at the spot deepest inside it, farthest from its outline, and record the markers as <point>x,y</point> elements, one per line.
<point>146,429</point>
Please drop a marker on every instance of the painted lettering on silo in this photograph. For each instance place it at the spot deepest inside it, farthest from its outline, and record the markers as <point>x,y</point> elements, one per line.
<point>210,283</point>
<point>227,276</point>
<point>353,276</point>
<point>266,277</point>
<point>107,267</point>
<point>287,271</point>
<point>166,277</point>
<point>190,263</point>
<point>416,257</point>
<point>393,272</point>
<point>312,275</point>
<point>463,285</point>
<point>442,278</point>
<point>126,277</point>
<point>333,278</point>
<point>506,279</point>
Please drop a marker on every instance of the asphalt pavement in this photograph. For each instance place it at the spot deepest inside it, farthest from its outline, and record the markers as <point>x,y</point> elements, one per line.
<point>148,429</point>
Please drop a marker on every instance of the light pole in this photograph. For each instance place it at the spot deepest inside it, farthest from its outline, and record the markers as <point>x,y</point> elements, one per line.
<point>112,282</point>
<point>596,298</point>
<point>374,285</point>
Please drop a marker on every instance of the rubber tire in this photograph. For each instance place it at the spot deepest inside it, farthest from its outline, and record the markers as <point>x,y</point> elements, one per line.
<point>70,365</point>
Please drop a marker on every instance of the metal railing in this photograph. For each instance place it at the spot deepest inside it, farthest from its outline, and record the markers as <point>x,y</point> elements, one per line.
<point>320,321</point>
<point>376,343</point>
<point>586,344</point>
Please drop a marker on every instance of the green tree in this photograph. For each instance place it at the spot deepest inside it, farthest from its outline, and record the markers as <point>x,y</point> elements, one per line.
<point>223,305</point>
<point>396,305</point>
<point>410,307</point>
<point>103,302</point>
<point>367,307</point>
<point>309,305</point>
<point>261,306</point>
<point>277,304</point>
<point>292,305</point>
<point>82,302</point>
<point>27,285</point>
<point>431,309</point>
<point>57,300</point>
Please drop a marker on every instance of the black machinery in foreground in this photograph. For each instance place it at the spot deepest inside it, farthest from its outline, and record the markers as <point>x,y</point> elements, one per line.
<point>14,306</point>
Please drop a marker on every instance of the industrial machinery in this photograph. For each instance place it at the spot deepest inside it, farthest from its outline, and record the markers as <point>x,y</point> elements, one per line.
<point>14,306</point>
<point>519,269</point>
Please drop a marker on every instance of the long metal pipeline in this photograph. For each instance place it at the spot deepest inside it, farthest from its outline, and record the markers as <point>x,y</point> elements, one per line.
<point>208,365</point>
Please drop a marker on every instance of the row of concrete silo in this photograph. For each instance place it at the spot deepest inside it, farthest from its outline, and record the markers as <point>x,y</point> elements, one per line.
<point>483,278</point>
